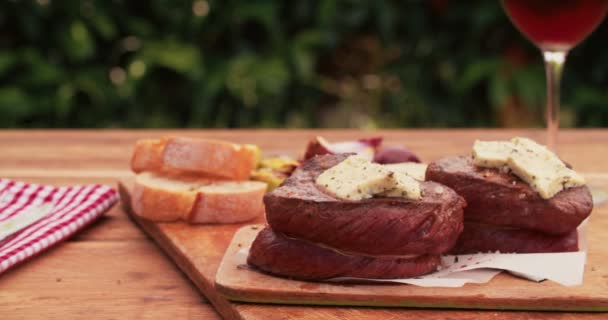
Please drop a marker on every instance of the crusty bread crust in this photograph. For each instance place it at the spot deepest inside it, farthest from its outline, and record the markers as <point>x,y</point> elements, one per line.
<point>159,199</point>
<point>148,155</point>
<point>210,157</point>
<point>189,156</point>
<point>196,200</point>
<point>228,202</point>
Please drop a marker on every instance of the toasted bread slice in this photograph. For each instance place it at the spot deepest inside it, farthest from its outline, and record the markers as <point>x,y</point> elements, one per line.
<point>196,200</point>
<point>189,156</point>
<point>228,202</point>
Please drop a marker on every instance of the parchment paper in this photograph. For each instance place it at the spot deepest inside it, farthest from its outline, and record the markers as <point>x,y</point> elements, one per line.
<point>565,268</point>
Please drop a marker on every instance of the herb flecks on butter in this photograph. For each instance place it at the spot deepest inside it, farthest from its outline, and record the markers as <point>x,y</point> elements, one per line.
<point>356,178</point>
<point>533,163</point>
<point>404,186</point>
<point>412,169</point>
<point>491,154</point>
<point>541,168</point>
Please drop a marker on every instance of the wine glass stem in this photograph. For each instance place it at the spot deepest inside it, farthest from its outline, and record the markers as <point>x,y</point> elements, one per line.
<point>554,65</point>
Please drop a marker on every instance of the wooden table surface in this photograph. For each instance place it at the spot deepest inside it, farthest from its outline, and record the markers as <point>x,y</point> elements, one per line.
<point>112,271</point>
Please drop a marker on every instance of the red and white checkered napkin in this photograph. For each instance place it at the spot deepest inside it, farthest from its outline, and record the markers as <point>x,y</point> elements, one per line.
<point>69,209</point>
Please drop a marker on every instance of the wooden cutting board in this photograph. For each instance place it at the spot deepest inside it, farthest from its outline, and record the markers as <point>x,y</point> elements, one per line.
<point>239,282</point>
<point>198,250</point>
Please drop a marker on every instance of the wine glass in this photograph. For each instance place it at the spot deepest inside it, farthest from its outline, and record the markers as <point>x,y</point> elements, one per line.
<point>555,26</point>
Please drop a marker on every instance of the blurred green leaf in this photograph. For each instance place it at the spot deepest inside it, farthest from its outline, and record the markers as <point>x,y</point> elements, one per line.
<point>529,86</point>
<point>64,101</point>
<point>77,42</point>
<point>589,96</point>
<point>14,106</point>
<point>7,60</point>
<point>304,64</point>
<point>475,73</point>
<point>499,90</point>
<point>179,57</point>
<point>249,77</point>
<point>103,24</point>
<point>39,70</point>
<point>264,13</point>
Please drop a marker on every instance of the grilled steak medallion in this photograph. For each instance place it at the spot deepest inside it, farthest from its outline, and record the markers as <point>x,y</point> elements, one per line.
<point>376,226</point>
<point>299,259</point>
<point>497,197</point>
<point>478,237</point>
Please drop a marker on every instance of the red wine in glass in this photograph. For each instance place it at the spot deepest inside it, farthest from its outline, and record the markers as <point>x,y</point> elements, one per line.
<point>555,26</point>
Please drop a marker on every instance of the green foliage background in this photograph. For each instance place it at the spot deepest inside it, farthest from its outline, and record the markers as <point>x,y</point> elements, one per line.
<point>270,63</point>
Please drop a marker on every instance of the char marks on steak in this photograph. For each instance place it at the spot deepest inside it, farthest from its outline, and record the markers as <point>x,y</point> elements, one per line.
<point>499,198</point>
<point>376,226</point>
<point>299,259</point>
<point>479,237</point>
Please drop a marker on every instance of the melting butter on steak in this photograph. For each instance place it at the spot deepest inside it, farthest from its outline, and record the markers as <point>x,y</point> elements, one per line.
<point>356,178</point>
<point>543,170</point>
<point>300,208</point>
<point>415,170</point>
<point>492,154</point>
<point>497,197</point>
<point>403,186</point>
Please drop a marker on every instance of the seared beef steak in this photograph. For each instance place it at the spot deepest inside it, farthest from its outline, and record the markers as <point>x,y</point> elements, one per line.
<point>500,198</point>
<point>376,226</point>
<point>478,237</point>
<point>299,259</point>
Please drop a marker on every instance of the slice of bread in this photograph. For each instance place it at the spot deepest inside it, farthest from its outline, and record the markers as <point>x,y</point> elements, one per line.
<point>196,200</point>
<point>159,198</point>
<point>189,156</point>
<point>228,202</point>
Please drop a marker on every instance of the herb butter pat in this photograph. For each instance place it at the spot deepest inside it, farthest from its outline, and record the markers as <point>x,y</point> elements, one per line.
<point>356,178</point>
<point>491,154</point>
<point>404,186</point>
<point>412,169</point>
<point>541,168</point>
<point>533,163</point>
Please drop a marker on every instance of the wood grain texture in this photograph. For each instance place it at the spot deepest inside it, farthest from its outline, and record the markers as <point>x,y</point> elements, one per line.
<point>68,157</point>
<point>262,312</point>
<point>238,282</point>
<point>109,280</point>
